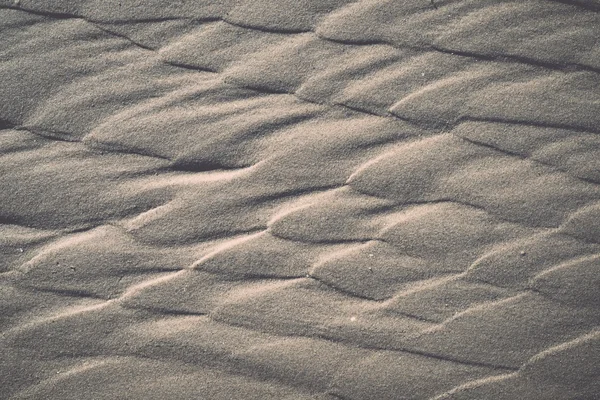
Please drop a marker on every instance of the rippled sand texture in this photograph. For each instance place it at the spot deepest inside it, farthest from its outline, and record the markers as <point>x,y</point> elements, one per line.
<point>316,199</point>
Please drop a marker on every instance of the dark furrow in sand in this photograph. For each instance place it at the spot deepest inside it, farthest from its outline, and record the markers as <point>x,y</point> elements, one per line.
<point>4,220</point>
<point>49,134</point>
<point>279,31</point>
<point>6,124</point>
<point>201,167</point>
<point>535,124</point>
<point>415,317</point>
<point>347,293</point>
<point>227,234</point>
<point>82,294</point>
<point>122,36</point>
<point>515,59</point>
<point>527,158</point>
<point>325,241</point>
<point>165,311</point>
<point>189,67</point>
<point>341,106</point>
<point>115,148</point>
<point>253,277</point>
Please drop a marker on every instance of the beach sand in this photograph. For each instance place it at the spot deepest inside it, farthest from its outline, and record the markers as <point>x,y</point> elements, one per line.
<point>315,199</point>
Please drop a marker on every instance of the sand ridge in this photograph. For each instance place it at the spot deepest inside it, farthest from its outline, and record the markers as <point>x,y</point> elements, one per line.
<point>308,199</point>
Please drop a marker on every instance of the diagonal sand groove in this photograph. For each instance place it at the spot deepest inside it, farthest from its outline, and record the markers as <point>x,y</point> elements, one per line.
<point>340,199</point>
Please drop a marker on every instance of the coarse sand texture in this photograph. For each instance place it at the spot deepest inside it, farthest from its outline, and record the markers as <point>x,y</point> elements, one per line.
<point>300,199</point>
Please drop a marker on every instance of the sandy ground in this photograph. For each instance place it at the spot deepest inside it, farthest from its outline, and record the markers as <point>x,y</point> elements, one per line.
<point>316,199</point>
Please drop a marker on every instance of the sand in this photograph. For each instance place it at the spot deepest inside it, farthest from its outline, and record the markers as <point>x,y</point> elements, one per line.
<point>316,199</point>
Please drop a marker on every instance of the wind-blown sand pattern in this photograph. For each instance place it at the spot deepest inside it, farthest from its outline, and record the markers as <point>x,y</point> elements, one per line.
<point>337,199</point>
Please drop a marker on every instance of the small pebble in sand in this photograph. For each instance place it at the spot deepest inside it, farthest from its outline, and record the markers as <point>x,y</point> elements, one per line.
<point>352,319</point>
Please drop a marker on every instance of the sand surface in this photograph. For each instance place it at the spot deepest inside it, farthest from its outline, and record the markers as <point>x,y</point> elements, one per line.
<point>302,199</point>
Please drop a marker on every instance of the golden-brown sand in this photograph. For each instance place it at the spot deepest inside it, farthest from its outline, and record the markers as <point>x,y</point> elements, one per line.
<point>316,199</point>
